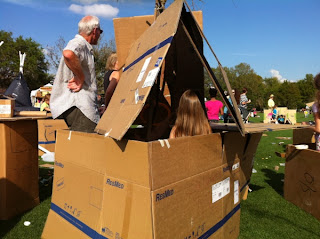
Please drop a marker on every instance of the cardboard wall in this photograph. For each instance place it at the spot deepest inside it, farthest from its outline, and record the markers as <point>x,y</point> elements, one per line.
<point>19,188</point>
<point>289,114</point>
<point>173,188</point>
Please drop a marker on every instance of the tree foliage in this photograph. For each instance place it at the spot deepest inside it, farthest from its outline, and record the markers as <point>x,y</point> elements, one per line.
<point>35,66</point>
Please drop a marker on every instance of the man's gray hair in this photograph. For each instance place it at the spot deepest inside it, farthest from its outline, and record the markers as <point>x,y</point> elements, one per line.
<point>87,24</point>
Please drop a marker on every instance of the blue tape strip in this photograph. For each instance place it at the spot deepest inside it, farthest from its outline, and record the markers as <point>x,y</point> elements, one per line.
<point>247,183</point>
<point>77,223</point>
<point>216,227</point>
<point>93,234</point>
<point>153,49</point>
<point>46,142</point>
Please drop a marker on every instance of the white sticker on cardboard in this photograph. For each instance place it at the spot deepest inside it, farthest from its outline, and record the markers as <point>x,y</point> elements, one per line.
<point>235,166</point>
<point>151,77</point>
<point>220,189</point>
<point>136,96</point>
<point>5,109</point>
<point>143,70</point>
<point>236,192</point>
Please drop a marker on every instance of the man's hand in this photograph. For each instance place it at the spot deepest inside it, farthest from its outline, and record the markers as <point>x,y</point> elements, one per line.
<point>75,84</point>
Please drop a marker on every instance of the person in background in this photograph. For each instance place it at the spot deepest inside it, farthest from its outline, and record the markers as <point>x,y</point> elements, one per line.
<point>191,119</point>
<point>111,78</point>
<point>74,91</point>
<point>274,112</point>
<point>243,104</point>
<point>226,115</point>
<point>316,111</point>
<point>45,106</point>
<point>271,102</point>
<point>214,107</point>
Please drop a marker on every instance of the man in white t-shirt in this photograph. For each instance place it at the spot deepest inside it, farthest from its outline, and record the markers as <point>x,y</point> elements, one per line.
<point>271,102</point>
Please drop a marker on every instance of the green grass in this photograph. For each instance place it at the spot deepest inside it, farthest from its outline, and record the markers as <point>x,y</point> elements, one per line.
<point>265,214</point>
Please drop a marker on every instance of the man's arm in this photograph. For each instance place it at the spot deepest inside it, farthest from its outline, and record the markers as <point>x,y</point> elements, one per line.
<point>72,61</point>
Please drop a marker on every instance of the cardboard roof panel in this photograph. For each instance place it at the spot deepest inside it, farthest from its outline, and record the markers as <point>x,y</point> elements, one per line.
<point>142,65</point>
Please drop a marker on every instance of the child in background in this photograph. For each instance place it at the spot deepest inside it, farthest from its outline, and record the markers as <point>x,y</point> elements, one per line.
<point>191,119</point>
<point>274,112</point>
<point>316,111</point>
<point>45,106</point>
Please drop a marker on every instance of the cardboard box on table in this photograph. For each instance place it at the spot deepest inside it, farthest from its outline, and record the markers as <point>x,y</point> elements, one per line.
<point>7,105</point>
<point>19,190</point>
<point>47,133</point>
<point>301,183</point>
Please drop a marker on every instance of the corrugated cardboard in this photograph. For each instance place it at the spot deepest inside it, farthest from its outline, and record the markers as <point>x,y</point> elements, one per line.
<point>304,136</point>
<point>19,190</point>
<point>130,189</point>
<point>6,106</point>
<point>143,63</point>
<point>47,133</point>
<point>128,29</point>
<point>301,182</point>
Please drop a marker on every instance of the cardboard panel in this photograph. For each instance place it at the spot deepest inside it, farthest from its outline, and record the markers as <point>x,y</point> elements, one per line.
<point>47,133</point>
<point>145,57</point>
<point>105,155</point>
<point>19,188</point>
<point>303,136</point>
<point>178,158</point>
<point>301,184</point>
<point>190,208</point>
<point>128,29</point>
<point>126,210</point>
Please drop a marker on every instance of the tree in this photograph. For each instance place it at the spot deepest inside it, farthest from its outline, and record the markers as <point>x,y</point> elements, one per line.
<point>289,95</point>
<point>35,67</point>
<point>307,89</point>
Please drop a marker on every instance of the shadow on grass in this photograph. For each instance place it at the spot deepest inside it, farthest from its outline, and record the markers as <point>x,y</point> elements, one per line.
<point>271,216</point>
<point>255,188</point>
<point>45,191</point>
<point>45,183</point>
<point>275,180</point>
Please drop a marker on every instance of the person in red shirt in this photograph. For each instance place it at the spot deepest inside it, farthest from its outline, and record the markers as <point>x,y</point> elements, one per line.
<point>214,107</point>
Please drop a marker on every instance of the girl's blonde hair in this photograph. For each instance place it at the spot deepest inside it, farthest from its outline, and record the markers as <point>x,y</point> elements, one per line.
<point>46,97</point>
<point>111,61</point>
<point>317,85</point>
<point>191,119</point>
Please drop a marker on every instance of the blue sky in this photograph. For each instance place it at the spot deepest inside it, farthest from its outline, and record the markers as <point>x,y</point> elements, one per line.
<point>275,37</point>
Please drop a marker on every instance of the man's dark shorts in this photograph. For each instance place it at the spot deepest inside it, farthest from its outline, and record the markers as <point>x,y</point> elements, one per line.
<point>77,121</point>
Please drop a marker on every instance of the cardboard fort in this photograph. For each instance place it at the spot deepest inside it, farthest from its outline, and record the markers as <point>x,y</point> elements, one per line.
<point>302,184</point>
<point>19,174</point>
<point>289,114</point>
<point>127,182</point>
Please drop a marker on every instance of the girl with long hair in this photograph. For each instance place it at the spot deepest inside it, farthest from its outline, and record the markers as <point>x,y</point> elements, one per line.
<point>191,119</point>
<point>316,111</point>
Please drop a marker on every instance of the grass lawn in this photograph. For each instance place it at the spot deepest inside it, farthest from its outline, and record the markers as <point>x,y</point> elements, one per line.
<point>265,214</point>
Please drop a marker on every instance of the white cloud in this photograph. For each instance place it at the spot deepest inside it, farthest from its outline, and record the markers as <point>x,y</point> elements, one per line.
<point>99,10</point>
<point>276,74</point>
<point>45,51</point>
<point>86,2</point>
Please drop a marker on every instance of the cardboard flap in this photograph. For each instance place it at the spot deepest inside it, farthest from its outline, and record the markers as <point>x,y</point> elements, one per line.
<point>142,67</point>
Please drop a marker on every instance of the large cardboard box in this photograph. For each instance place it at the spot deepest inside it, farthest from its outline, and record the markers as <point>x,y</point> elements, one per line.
<point>47,133</point>
<point>19,190</point>
<point>178,188</point>
<point>301,184</point>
